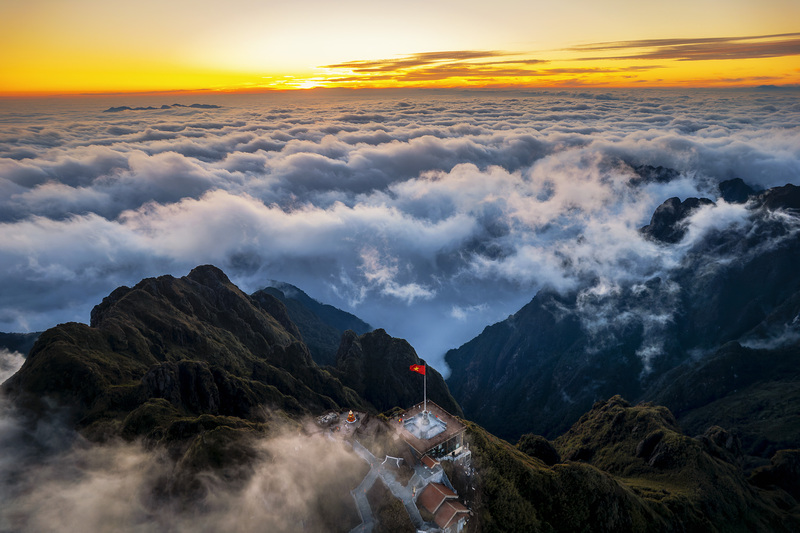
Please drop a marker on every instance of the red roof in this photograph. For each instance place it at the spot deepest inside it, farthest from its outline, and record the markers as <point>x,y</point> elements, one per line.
<point>429,462</point>
<point>449,513</point>
<point>433,496</point>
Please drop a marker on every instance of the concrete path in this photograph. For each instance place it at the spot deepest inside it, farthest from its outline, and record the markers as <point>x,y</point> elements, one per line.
<point>398,490</point>
<point>362,504</point>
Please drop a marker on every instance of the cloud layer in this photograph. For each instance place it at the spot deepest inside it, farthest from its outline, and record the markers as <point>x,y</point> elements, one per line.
<point>430,214</point>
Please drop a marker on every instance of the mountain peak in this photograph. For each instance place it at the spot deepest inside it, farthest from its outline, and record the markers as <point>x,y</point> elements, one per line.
<point>320,325</point>
<point>198,333</point>
<point>786,197</point>
<point>208,275</point>
<point>735,191</point>
<point>666,223</point>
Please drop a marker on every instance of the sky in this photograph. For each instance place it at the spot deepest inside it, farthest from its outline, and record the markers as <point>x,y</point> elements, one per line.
<point>94,46</point>
<point>429,213</point>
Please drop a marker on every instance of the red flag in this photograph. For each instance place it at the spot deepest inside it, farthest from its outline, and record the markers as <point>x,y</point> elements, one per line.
<point>419,369</point>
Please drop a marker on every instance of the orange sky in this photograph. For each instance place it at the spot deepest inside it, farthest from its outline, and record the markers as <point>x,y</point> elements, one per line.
<point>86,46</point>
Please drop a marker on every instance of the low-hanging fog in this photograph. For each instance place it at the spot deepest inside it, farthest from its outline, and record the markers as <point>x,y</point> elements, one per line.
<point>52,479</point>
<point>430,214</point>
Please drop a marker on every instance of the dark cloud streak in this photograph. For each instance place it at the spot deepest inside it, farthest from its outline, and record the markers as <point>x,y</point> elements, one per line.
<point>700,49</point>
<point>438,66</point>
<point>416,60</point>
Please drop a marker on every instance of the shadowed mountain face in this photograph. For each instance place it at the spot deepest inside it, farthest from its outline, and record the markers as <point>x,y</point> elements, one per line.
<point>377,367</point>
<point>540,369</point>
<point>320,325</point>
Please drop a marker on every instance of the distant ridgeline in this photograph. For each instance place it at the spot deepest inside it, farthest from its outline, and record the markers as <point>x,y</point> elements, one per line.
<point>321,326</point>
<point>716,340</point>
<point>197,368</point>
<point>165,106</point>
<point>18,342</point>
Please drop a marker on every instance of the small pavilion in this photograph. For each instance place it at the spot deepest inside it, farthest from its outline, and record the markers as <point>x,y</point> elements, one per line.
<point>431,432</point>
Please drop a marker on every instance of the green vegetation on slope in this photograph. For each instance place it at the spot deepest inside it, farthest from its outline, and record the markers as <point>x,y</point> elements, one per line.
<point>624,469</point>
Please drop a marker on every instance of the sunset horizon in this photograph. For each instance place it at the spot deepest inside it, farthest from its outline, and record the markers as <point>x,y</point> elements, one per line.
<point>90,48</point>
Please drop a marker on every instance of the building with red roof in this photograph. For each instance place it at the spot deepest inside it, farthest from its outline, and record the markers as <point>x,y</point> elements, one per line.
<point>448,513</point>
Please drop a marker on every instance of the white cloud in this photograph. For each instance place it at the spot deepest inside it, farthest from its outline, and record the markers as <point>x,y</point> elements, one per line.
<point>461,313</point>
<point>382,272</point>
<point>10,362</point>
<point>53,480</point>
<point>448,203</point>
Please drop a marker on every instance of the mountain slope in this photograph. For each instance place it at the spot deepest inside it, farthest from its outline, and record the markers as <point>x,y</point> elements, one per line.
<point>734,388</point>
<point>626,469</point>
<point>197,342</point>
<point>376,366</point>
<point>549,362</point>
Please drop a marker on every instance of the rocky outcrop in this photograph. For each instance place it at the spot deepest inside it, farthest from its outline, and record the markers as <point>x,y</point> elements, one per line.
<point>666,225</point>
<point>735,191</point>
<point>786,197</point>
<point>376,366</point>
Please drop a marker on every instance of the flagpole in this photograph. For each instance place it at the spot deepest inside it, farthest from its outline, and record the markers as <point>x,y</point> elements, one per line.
<point>425,389</point>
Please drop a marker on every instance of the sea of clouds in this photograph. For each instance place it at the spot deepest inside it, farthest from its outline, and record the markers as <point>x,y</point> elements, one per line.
<point>428,213</point>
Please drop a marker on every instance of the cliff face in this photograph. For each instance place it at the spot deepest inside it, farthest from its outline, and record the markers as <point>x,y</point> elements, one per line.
<point>540,369</point>
<point>376,366</point>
